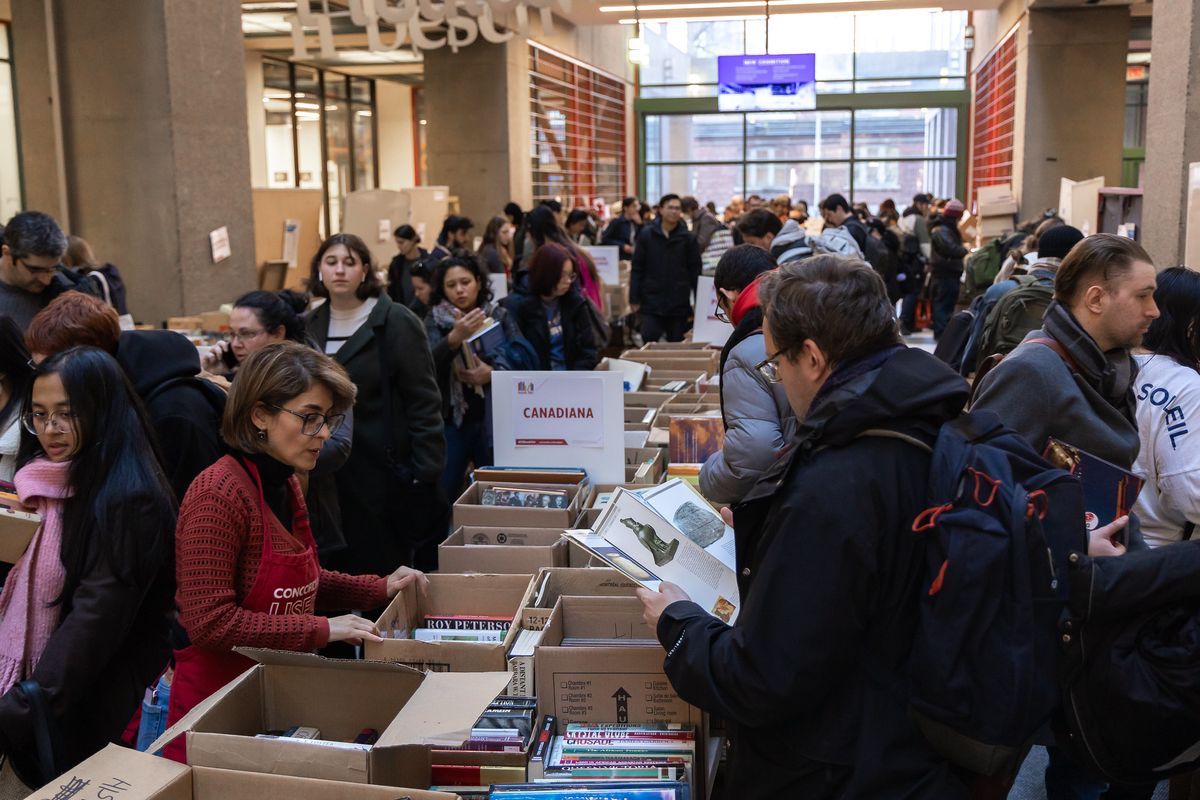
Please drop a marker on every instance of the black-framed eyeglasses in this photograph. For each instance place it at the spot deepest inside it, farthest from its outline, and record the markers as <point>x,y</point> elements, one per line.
<point>720,313</point>
<point>769,368</point>
<point>312,422</point>
<point>37,271</point>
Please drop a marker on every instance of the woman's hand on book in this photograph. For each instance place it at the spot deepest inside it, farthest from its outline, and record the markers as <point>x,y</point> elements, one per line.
<point>404,576</point>
<point>476,376</point>
<point>465,326</point>
<point>654,603</point>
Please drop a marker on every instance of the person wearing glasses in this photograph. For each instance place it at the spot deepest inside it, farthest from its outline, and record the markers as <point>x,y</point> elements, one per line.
<point>827,562</point>
<point>553,315</point>
<point>246,562</point>
<point>758,420</point>
<point>31,251</point>
<point>86,610</point>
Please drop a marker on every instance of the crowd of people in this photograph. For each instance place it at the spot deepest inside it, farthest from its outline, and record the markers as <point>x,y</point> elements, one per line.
<point>277,491</point>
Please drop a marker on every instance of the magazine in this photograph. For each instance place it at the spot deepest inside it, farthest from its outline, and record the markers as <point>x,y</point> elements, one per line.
<point>679,501</point>
<point>634,538</point>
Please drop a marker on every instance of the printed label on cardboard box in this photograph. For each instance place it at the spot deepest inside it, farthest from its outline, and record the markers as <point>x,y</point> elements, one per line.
<point>617,697</point>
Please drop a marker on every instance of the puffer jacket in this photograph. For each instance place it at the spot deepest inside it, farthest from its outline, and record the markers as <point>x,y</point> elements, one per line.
<point>948,249</point>
<point>791,244</point>
<point>759,421</point>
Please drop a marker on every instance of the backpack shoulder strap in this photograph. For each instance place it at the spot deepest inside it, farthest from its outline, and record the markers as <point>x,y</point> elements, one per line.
<point>884,433</point>
<point>1057,347</point>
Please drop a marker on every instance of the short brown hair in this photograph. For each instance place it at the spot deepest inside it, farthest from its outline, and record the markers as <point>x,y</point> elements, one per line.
<point>1099,258</point>
<point>688,204</point>
<point>272,376</point>
<point>371,287</point>
<point>71,320</point>
<point>840,303</point>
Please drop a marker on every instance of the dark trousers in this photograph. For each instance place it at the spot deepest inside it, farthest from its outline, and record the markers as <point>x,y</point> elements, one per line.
<point>655,325</point>
<point>908,310</point>
<point>945,298</point>
<point>464,446</point>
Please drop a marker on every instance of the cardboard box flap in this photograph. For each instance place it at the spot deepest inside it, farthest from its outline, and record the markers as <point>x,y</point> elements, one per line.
<point>199,711</point>
<point>119,771</point>
<point>444,709</point>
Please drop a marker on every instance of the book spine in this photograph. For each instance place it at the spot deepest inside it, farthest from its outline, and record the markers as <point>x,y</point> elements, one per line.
<point>519,702</point>
<point>521,669</point>
<point>468,623</point>
<point>435,635</point>
<point>639,727</point>
<point>471,775</point>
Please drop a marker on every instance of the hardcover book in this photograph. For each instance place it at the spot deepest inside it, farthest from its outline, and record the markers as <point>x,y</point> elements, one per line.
<point>1109,492</point>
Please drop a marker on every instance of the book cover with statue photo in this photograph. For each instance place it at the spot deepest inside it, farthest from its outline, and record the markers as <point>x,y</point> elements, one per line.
<point>634,538</point>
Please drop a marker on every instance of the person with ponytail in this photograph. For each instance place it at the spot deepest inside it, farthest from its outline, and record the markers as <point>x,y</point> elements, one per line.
<point>86,611</point>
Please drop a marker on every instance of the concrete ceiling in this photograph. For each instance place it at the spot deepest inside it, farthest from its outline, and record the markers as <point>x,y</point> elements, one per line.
<point>600,12</point>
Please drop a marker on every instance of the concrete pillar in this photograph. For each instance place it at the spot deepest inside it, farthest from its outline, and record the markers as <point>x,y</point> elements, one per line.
<point>1071,120</point>
<point>154,141</point>
<point>35,76</point>
<point>478,126</point>
<point>1172,128</point>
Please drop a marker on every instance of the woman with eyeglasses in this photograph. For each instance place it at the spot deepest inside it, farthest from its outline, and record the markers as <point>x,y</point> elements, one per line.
<point>553,316</point>
<point>86,610</point>
<point>257,320</point>
<point>246,562</point>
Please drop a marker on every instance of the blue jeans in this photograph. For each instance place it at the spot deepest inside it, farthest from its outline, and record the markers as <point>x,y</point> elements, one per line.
<point>945,298</point>
<point>467,445</point>
<point>908,310</point>
<point>1065,780</point>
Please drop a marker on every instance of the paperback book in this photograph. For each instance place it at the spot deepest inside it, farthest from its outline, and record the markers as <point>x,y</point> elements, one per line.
<point>636,539</point>
<point>524,498</point>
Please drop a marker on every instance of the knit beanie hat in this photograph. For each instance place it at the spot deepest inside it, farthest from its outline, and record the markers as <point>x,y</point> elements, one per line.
<point>953,209</point>
<point>1058,241</point>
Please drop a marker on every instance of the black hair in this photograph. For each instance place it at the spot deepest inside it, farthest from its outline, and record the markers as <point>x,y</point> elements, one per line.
<point>121,507</point>
<point>1176,332</point>
<point>666,198</point>
<point>513,210</point>
<point>453,223</point>
<point>472,264</point>
<point>297,300</point>
<point>273,312</point>
<point>759,222</point>
<point>423,269</point>
<point>32,233</point>
<point>407,232</point>
<point>542,226</point>
<point>578,215</point>
<point>740,265</point>
<point>14,366</point>
<point>834,202</point>
<point>644,209</point>
<point>627,202</point>
<point>553,205</point>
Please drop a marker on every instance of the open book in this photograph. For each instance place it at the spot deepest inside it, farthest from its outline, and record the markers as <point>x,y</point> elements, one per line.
<point>644,544</point>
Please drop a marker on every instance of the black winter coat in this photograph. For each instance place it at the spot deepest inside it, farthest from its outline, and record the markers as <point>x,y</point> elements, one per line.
<point>665,269</point>
<point>811,679</point>
<point>948,249</point>
<point>376,542</point>
<point>184,410</point>
<point>579,343</point>
<point>112,642</point>
<point>620,232</point>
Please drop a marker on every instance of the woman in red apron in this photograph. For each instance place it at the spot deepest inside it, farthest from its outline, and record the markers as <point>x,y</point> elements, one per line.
<point>246,563</point>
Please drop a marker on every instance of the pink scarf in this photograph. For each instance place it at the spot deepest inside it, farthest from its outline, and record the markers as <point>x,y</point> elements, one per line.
<point>27,618</point>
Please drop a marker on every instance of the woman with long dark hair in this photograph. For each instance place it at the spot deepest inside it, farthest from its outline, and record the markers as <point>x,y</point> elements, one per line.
<point>553,316</point>
<point>1168,411</point>
<point>544,228</point>
<point>87,609</point>
<point>15,374</point>
<point>462,307</point>
<point>388,487</point>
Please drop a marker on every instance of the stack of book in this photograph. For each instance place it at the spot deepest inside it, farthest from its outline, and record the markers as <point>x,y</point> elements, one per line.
<point>506,727</point>
<point>631,790</point>
<point>619,751</point>
<point>455,628</point>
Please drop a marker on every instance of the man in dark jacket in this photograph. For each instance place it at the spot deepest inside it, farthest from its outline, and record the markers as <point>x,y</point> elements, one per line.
<point>1077,385</point>
<point>666,264</point>
<point>622,232</point>
<point>947,264</point>
<point>31,273</point>
<point>811,678</point>
<point>184,409</point>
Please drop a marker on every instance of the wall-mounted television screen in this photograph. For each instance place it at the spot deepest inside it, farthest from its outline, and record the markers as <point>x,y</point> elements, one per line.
<point>767,83</point>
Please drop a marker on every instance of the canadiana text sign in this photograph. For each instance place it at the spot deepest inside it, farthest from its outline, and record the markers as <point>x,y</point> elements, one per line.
<point>423,24</point>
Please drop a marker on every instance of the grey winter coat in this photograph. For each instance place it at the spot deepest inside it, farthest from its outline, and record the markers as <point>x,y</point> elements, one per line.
<point>759,423</point>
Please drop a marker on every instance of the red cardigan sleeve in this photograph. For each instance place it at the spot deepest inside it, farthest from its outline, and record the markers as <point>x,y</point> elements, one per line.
<point>213,528</point>
<point>357,592</point>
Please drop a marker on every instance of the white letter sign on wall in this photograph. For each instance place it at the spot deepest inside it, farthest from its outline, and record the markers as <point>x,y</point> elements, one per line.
<point>425,24</point>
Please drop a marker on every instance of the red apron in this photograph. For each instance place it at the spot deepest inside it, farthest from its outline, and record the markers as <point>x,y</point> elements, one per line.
<point>286,584</point>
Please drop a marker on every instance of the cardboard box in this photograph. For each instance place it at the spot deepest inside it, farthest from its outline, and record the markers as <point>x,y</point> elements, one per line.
<point>667,360</point>
<point>700,347</point>
<point>577,556</point>
<point>634,372</point>
<point>506,551</point>
<point>572,477</point>
<point>998,200</point>
<point>652,400</point>
<point>644,465</point>
<point>16,531</point>
<point>119,772</point>
<point>492,595</point>
<point>216,321</point>
<point>411,710</point>
<point>991,227</point>
<point>552,583</point>
<point>604,684</point>
<point>468,509</point>
<point>659,378</point>
<point>184,323</point>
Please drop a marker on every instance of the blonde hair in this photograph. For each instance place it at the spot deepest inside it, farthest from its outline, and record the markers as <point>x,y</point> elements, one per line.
<point>272,376</point>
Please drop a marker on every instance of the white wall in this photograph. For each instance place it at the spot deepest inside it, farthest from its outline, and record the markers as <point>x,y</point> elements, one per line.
<point>256,119</point>
<point>394,108</point>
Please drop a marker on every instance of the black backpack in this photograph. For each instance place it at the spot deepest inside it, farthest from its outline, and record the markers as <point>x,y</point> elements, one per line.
<point>953,343</point>
<point>1001,527</point>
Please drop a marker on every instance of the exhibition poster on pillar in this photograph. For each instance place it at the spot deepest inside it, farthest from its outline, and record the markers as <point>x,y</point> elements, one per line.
<point>563,410</point>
